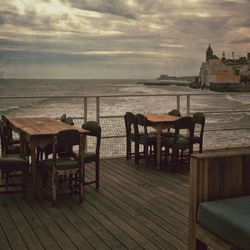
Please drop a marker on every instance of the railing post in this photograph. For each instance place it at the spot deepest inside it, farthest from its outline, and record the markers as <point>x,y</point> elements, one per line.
<point>188,104</point>
<point>98,109</point>
<point>85,115</point>
<point>178,102</point>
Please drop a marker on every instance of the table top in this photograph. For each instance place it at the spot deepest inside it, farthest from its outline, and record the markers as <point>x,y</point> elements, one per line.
<point>161,118</point>
<point>35,126</point>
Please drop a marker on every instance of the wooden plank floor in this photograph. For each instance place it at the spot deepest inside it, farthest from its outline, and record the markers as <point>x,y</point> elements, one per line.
<point>135,208</point>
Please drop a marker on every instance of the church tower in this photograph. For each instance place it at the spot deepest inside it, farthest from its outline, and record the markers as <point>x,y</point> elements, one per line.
<point>209,53</point>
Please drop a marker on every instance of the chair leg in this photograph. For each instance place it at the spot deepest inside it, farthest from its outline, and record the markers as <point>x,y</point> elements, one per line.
<point>136,153</point>
<point>97,174</point>
<point>166,155</point>
<point>2,174</point>
<point>146,154</point>
<point>128,154</point>
<point>25,173</point>
<point>44,179</point>
<point>70,183</point>
<point>81,181</point>
<point>53,190</point>
<point>200,245</point>
<point>60,180</point>
<point>175,159</point>
<point>81,192</point>
<point>7,181</point>
<point>200,147</point>
<point>182,158</point>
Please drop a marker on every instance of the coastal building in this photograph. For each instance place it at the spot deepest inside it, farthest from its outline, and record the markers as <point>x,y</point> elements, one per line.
<point>224,70</point>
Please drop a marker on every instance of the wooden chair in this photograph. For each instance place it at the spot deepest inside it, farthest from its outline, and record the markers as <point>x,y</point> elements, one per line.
<point>11,163</point>
<point>93,156</point>
<point>130,120</point>
<point>219,201</point>
<point>168,132</point>
<point>68,167</point>
<point>48,149</point>
<point>67,119</point>
<point>199,120</point>
<point>175,112</point>
<point>177,143</point>
<point>12,146</point>
<point>148,140</point>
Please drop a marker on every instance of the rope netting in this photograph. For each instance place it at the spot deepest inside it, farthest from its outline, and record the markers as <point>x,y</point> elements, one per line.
<point>222,129</point>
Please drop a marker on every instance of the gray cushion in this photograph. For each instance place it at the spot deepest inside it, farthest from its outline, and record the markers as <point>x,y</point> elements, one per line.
<point>13,149</point>
<point>229,219</point>
<point>181,141</point>
<point>168,134</point>
<point>151,139</point>
<point>196,139</point>
<point>61,163</point>
<point>89,157</point>
<point>15,160</point>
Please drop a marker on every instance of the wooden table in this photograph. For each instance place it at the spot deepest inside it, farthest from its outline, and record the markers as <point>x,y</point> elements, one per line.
<point>161,122</point>
<point>38,131</point>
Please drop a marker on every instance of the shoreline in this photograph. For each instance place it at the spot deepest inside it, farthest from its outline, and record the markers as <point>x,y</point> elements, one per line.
<point>166,82</point>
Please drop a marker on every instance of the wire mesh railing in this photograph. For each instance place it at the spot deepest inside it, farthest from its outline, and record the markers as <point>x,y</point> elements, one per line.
<point>227,122</point>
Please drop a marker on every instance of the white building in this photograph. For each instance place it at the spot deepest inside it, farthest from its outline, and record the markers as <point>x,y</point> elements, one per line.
<point>224,71</point>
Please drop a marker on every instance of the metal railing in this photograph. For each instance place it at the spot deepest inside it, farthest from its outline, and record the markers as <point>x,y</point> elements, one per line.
<point>223,126</point>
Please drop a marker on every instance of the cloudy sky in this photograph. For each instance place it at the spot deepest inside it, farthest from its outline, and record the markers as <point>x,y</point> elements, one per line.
<point>117,38</point>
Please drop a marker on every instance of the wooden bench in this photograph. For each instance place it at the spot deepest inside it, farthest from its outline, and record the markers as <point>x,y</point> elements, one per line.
<point>216,175</point>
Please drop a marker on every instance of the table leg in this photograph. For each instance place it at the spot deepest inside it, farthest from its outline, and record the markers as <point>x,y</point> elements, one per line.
<point>158,133</point>
<point>22,145</point>
<point>33,169</point>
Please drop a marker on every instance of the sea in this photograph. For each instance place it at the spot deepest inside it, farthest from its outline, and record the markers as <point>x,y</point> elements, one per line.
<point>51,102</point>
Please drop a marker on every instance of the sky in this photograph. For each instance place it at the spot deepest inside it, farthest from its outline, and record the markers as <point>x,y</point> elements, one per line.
<point>118,39</point>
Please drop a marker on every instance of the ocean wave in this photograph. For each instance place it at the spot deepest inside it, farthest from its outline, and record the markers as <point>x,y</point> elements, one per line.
<point>242,99</point>
<point>7,109</point>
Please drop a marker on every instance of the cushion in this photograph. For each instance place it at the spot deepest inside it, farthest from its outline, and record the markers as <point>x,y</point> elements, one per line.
<point>13,149</point>
<point>181,141</point>
<point>229,219</point>
<point>12,161</point>
<point>151,139</point>
<point>89,157</point>
<point>196,139</point>
<point>61,163</point>
<point>168,133</point>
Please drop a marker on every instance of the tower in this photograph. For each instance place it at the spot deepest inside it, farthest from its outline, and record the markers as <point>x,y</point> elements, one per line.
<point>209,53</point>
<point>223,59</point>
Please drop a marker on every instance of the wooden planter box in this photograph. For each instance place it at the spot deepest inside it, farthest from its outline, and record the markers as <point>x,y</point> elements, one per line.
<point>216,175</point>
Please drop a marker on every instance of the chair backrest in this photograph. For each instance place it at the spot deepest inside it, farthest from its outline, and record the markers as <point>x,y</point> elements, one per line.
<point>199,118</point>
<point>8,130</point>
<point>175,112</point>
<point>130,120</point>
<point>65,119</point>
<point>63,142</point>
<point>141,120</point>
<point>3,137</point>
<point>94,130</point>
<point>185,123</point>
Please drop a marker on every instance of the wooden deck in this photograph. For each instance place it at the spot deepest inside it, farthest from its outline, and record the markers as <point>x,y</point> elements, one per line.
<point>135,208</point>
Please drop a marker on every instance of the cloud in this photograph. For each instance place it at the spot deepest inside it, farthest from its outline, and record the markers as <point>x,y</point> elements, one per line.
<point>242,41</point>
<point>113,7</point>
<point>123,33</point>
